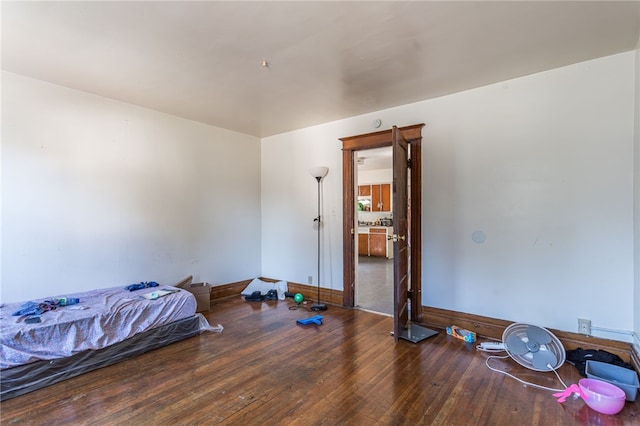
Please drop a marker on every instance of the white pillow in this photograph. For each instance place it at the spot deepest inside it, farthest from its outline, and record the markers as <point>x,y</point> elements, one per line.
<point>281,288</point>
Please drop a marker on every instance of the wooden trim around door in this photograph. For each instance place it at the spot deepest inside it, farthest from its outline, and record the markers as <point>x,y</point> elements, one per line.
<point>415,263</point>
<point>350,144</point>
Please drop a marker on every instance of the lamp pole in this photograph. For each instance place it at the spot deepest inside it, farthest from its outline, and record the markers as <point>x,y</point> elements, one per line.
<point>318,173</point>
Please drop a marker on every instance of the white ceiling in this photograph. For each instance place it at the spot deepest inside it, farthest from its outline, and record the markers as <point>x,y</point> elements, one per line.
<point>375,159</point>
<point>326,60</point>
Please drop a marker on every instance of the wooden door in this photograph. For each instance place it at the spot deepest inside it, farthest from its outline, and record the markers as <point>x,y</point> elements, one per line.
<point>401,276</point>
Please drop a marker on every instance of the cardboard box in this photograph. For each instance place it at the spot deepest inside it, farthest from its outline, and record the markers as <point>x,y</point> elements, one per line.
<point>202,292</point>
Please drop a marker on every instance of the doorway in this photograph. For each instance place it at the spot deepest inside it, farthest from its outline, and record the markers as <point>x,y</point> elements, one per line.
<point>350,147</point>
<point>374,260</point>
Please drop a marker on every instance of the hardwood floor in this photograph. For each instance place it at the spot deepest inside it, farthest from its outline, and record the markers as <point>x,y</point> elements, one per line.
<point>266,369</point>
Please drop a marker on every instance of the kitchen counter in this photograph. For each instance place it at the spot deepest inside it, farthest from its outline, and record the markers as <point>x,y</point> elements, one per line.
<point>365,229</point>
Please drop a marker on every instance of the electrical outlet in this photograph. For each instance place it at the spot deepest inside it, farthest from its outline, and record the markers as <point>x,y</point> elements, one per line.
<point>310,280</point>
<point>584,326</point>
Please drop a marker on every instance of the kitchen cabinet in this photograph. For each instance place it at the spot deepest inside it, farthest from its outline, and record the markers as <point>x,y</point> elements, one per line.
<point>374,241</point>
<point>379,196</point>
<point>364,191</point>
<point>363,244</point>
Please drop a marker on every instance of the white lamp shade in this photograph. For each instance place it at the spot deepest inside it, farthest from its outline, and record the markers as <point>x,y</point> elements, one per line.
<point>318,172</point>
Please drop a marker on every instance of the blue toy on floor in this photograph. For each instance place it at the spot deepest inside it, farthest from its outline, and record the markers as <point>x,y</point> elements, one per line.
<point>317,319</point>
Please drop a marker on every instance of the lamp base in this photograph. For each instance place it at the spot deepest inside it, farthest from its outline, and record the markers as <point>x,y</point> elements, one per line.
<point>318,307</point>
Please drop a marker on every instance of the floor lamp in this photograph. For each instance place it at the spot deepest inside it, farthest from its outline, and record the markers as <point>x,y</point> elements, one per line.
<point>318,173</point>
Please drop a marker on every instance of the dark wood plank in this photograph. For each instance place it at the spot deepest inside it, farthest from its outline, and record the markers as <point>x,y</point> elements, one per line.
<point>265,369</point>
<point>493,328</point>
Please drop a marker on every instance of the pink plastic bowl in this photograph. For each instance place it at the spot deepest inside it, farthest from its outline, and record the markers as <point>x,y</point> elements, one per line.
<point>603,397</point>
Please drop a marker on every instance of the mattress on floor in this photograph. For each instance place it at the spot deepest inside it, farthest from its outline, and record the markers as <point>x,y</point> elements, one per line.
<point>27,378</point>
<point>102,318</point>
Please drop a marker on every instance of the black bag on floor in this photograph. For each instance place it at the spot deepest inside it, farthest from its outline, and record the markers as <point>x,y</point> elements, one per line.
<point>579,357</point>
<point>271,295</point>
<point>256,296</point>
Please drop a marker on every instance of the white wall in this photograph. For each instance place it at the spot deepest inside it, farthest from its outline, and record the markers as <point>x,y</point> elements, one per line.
<point>98,193</point>
<point>542,164</point>
<point>289,206</point>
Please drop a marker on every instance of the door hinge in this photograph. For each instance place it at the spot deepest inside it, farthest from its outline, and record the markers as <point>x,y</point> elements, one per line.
<point>409,163</point>
<point>410,294</point>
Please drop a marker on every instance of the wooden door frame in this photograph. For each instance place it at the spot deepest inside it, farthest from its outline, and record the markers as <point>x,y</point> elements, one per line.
<point>351,144</point>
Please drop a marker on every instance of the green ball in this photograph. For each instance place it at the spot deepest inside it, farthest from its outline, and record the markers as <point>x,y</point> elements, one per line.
<point>298,298</point>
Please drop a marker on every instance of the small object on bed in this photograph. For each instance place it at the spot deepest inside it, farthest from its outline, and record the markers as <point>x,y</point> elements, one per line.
<point>154,295</point>
<point>28,308</point>
<point>141,285</point>
<point>63,301</point>
<point>38,308</point>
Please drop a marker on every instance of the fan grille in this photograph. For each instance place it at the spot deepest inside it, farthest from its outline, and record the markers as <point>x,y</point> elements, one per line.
<point>519,330</point>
